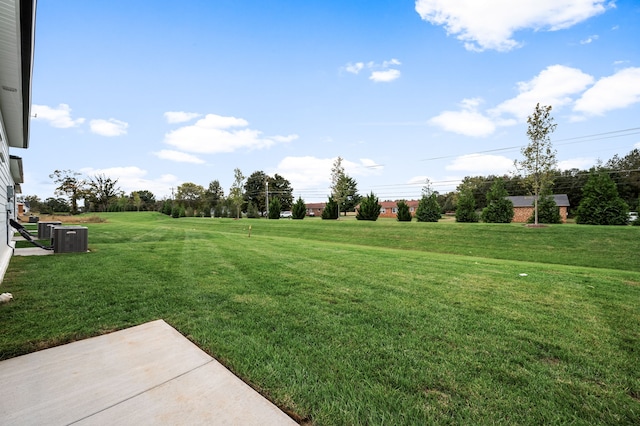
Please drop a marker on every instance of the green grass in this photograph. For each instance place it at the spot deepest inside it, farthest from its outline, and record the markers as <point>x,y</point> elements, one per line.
<point>353,322</point>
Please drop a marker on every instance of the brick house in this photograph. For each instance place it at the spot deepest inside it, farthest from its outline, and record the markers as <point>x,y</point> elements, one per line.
<point>523,207</point>
<point>390,208</point>
<point>315,209</point>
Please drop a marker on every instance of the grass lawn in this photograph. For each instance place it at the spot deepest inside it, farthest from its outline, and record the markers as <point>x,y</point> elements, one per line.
<point>347,322</point>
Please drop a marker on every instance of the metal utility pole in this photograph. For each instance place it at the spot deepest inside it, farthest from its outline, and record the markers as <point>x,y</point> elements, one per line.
<point>267,196</point>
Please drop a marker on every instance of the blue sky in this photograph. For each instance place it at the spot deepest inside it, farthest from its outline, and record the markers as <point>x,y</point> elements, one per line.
<point>158,93</point>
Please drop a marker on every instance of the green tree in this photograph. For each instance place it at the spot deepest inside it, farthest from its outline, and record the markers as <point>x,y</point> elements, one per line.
<point>69,184</point>
<point>252,211</point>
<point>274,208</point>
<point>466,209</point>
<point>147,200</point>
<point>499,209</point>
<point>101,191</point>
<point>191,195</point>
<point>299,209</point>
<point>214,195</point>
<point>330,210</point>
<point>403,215</point>
<point>137,201</point>
<point>601,204</point>
<point>279,187</point>
<point>235,193</point>
<point>33,202</point>
<point>539,162</point>
<point>350,197</point>
<point>627,176</point>
<point>55,205</point>
<point>549,212</point>
<point>369,208</point>
<point>255,189</point>
<point>344,189</point>
<point>428,207</point>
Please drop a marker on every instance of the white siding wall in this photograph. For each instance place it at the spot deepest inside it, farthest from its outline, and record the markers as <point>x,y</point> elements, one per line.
<point>6,245</point>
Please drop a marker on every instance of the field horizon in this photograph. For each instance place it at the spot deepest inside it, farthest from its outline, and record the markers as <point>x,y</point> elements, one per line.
<point>350,322</point>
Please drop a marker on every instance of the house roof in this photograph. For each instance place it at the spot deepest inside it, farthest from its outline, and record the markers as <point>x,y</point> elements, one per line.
<point>562,200</point>
<point>391,204</point>
<point>315,205</point>
<point>17,28</point>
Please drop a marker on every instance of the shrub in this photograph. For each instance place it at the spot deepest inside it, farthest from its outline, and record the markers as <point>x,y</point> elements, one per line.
<point>466,209</point>
<point>499,209</point>
<point>330,209</point>
<point>548,211</point>
<point>299,209</point>
<point>175,212</point>
<point>369,208</point>
<point>601,204</point>
<point>428,208</point>
<point>403,215</point>
<point>274,208</point>
<point>252,211</point>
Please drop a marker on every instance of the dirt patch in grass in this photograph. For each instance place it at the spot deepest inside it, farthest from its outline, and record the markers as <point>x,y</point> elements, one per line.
<point>67,218</point>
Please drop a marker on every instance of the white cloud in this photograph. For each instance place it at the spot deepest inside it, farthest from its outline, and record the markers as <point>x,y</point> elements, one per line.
<point>354,68</point>
<point>391,62</point>
<point>177,156</point>
<point>215,134</point>
<point>133,178</point>
<point>482,164</point>
<point>180,116</point>
<point>552,86</point>
<point>468,121</point>
<point>637,145</point>
<point>110,127</point>
<point>589,39</point>
<point>380,73</point>
<point>419,180</point>
<point>384,76</point>
<point>581,163</point>
<point>490,24</point>
<point>609,93</point>
<point>312,172</point>
<point>57,117</point>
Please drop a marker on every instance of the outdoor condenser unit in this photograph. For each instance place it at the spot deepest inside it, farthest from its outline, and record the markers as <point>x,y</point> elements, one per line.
<point>44,229</point>
<point>70,239</point>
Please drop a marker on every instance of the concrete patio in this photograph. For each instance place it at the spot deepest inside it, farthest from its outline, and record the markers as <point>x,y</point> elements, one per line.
<point>145,375</point>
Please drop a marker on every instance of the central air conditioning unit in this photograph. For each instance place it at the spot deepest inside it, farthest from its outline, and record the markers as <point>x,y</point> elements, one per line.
<point>44,229</point>
<point>70,239</point>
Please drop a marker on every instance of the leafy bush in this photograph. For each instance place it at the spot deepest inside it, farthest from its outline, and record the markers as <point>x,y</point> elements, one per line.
<point>175,212</point>
<point>466,209</point>
<point>601,204</point>
<point>403,215</point>
<point>252,211</point>
<point>428,208</point>
<point>274,208</point>
<point>299,209</point>
<point>330,209</point>
<point>548,211</point>
<point>369,208</point>
<point>499,209</point>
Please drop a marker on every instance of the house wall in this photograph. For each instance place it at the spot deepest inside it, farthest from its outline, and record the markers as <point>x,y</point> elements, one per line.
<point>522,214</point>
<point>7,208</point>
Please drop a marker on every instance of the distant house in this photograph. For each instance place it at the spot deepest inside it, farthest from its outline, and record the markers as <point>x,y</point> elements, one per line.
<point>523,207</point>
<point>390,208</point>
<point>315,209</point>
<point>17,18</point>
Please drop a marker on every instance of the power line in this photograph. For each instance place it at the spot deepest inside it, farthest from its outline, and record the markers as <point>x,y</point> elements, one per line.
<point>569,141</point>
